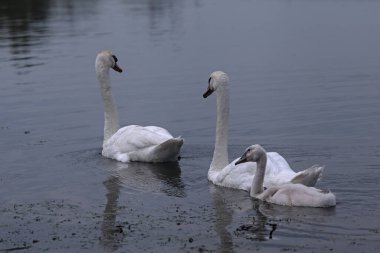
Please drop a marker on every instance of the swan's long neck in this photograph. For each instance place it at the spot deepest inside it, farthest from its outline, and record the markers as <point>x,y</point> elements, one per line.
<point>258,180</point>
<point>220,157</point>
<point>111,118</point>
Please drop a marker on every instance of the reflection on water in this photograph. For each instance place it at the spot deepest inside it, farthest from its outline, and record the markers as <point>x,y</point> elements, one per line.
<point>260,229</point>
<point>111,234</point>
<point>270,218</point>
<point>145,177</point>
<point>289,213</point>
<point>160,177</point>
<point>27,25</point>
<point>226,202</point>
<point>223,217</point>
<point>264,221</point>
<point>23,27</point>
<point>164,15</point>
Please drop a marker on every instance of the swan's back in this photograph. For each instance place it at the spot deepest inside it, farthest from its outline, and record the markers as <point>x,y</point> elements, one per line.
<point>134,137</point>
<point>298,195</point>
<point>234,176</point>
<point>277,170</point>
<point>144,144</point>
<point>240,176</point>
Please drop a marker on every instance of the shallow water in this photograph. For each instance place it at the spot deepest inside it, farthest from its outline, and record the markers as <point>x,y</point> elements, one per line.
<point>304,82</point>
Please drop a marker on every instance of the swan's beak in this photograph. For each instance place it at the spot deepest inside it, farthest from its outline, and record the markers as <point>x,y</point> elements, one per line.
<point>117,68</point>
<point>208,92</point>
<point>242,159</point>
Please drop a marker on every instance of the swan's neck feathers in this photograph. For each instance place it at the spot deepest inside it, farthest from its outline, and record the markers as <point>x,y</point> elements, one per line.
<point>220,157</point>
<point>258,180</point>
<point>111,118</point>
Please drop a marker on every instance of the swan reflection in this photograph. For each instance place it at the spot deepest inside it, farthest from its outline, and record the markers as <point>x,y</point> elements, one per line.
<point>134,177</point>
<point>269,218</point>
<point>260,228</point>
<point>112,235</point>
<point>239,216</point>
<point>227,203</point>
<point>148,177</point>
<point>289,213</point>
<point>223,215</point>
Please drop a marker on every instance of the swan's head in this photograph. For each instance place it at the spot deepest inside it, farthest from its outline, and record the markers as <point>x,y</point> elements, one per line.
<point>252,154</point>
<point>106,60</point>
<point>217,80</point>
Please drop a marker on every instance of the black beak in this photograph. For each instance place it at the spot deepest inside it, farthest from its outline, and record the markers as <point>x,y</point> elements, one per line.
<point>208,92</point>
<point>117,68</point>
<point>242,159</point>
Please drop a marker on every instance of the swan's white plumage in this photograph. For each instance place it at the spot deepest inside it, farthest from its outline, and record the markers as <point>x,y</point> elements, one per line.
<point>278,172</point>
<point>142,146</point>
<point>240,176</point>
<point>131,143</point>
<point>288,194</point>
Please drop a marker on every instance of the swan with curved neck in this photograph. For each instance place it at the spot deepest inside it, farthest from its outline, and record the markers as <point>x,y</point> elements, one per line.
<point>227,174</point>
<point>286,194</point>
<point>130,143</point>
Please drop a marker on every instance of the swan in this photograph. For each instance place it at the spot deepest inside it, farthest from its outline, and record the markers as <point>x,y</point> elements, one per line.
<point>229,175</point>
<point>287,194</point>
<point>130,143</point>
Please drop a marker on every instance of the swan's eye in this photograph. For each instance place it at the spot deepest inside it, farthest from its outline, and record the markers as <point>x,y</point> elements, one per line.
<point>209,80</point>
<point>114,57</point>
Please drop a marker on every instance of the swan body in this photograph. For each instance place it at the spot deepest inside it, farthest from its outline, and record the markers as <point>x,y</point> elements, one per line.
<point>130,143</point>
<point>288,194</point>
<point>278,172</point>
<point>240,176</point>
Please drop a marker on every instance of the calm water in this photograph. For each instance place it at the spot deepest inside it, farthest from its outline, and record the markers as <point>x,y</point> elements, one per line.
<point>305,81</point>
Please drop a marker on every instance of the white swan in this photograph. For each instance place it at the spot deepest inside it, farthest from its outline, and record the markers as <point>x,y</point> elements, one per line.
<point>240,177</point>
<point>130,143</point>
<point>288,194</point>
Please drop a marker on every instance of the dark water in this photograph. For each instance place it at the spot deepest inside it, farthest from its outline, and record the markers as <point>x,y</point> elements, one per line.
<point>305,81</point>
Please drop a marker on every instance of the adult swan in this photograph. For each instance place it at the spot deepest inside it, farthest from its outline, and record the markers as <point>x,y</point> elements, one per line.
<point>130,143</point>
<point>240,176</point>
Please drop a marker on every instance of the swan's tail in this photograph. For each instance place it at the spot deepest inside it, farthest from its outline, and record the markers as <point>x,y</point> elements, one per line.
<point>168,151</point>
<point>308,177</point>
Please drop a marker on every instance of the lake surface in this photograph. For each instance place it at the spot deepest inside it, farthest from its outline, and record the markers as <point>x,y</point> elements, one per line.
<point>305,82</point>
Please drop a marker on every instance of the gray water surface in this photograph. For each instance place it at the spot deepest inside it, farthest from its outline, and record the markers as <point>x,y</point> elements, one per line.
<point>305,82</point>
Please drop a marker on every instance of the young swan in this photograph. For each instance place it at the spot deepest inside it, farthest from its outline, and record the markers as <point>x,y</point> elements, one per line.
<point>287,194</point>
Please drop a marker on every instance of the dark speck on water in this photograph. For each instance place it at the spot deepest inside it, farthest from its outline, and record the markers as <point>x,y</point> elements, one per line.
<point>305,81</point>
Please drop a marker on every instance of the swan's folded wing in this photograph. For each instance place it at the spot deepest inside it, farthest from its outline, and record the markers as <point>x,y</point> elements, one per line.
<point>277,164</point>
<point>277,170</point>
<point>308,177</point>
<point>241,176</point>
<point>235,176</point>
<point>159,130</point>
<point>133,137</point>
